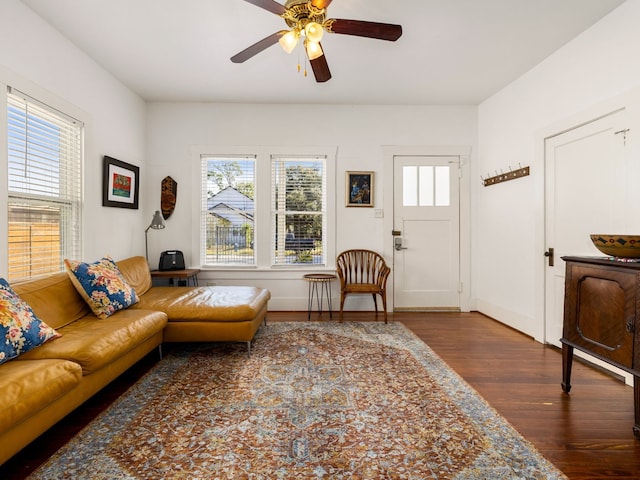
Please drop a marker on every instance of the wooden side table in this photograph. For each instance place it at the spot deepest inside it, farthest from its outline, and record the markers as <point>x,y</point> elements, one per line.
<point>186,274</point>
<point>319,284</point>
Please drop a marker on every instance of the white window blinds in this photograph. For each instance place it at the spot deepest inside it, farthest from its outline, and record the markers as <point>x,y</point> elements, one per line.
<point>44,187</point>
<point>298,202</point>
<point>227,224</point>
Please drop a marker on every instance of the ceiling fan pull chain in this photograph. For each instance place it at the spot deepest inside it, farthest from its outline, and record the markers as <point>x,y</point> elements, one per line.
<point>306,62</point>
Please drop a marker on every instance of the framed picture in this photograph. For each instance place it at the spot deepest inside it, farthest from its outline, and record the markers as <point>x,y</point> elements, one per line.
<point>359,189</point>
<point>120,184</point>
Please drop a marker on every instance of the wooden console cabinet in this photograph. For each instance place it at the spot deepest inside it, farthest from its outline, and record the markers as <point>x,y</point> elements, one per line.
<point>601,316</point>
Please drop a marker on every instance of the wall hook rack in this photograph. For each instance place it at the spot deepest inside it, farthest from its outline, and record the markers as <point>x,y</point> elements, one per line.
<point>505,177</point>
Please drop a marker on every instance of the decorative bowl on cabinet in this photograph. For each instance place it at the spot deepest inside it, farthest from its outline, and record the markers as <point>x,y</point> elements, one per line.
<point>621,246</point>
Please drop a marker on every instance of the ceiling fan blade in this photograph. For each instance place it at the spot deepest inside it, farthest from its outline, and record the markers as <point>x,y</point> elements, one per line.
<point>360,28</point>
<point>270,5</point>
<point>320,69</point>
<point>320,3</point>
<point>257,47</point>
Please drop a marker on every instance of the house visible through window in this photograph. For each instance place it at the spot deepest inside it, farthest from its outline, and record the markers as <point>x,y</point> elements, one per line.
<point>231,212</point>
<point>228,210</point>
<point>44,187</point>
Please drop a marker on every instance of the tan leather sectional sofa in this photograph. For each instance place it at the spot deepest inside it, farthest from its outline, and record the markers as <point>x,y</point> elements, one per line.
<point>43,385</point>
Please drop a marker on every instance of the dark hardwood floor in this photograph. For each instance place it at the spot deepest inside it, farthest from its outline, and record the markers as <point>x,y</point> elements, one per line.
<point>587,434</point>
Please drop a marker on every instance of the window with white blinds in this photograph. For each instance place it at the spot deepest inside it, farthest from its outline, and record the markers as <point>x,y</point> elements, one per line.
<point>44,187</point>
<point>298,202</point>
<point>227,222</point>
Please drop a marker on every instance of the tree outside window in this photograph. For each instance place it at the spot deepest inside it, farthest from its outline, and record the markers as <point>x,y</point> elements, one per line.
<point>229,211</point>
<point>298,210</point>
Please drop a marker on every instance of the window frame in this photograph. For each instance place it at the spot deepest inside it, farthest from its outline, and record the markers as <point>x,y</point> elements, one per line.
<point>277,228</point>
<point>203,206</point>
<point>263,210</point>
<point>72,226</point>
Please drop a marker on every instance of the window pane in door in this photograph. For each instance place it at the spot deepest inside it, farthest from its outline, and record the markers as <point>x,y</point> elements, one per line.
<point>409,186</point>
<point>442,186</point>
<point>426,186</point>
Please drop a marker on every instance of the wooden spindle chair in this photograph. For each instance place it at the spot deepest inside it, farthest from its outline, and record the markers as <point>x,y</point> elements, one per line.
<point>363,272</point>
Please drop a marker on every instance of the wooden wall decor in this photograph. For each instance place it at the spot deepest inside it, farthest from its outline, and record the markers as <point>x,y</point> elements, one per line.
<point>505,177</point>
<point>168,196</point>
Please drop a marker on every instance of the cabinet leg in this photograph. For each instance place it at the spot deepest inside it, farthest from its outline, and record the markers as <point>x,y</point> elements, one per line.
<point>636,407</point>
<point>567,362</point>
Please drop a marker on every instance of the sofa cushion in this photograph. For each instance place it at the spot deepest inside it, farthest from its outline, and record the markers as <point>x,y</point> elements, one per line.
<point>136,272</point>
<point>20,329</point>
<point>28,386</point>
<point>94,343</point>
<point>101,285</point>
<point>54,299</point>
<point>220,303</point>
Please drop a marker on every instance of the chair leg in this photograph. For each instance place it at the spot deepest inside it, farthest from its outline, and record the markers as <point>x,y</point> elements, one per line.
<point>375,302</point>
<point>342,295</point>
<point>384,305</point>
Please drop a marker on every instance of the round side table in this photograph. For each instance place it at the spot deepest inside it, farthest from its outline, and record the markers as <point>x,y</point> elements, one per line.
<point>319,286</point>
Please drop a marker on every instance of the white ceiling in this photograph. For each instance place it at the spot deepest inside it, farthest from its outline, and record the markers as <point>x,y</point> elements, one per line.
<point>451,51</point>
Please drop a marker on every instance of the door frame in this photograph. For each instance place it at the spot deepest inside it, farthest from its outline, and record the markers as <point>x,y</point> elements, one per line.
<point>629,101</point>
<point>464,153</point>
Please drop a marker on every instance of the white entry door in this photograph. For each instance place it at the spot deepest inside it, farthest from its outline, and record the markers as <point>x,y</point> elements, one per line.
<point>426,228</point>
<point>586,185</point>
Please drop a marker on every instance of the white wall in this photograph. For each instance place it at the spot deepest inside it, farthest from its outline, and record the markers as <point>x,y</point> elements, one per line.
<point>37,60</point>
<point>356,132</point>
<point>598,65</point>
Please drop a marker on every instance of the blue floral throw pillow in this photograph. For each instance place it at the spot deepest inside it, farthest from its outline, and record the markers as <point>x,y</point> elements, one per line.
<point>102,286</point>
<point>21,330</point>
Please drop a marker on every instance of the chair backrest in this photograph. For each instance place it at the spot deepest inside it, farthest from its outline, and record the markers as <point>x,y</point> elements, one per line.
<point>362,266</point>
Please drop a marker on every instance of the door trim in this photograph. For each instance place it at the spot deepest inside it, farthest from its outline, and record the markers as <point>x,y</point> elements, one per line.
<point>464,153</point>
<point>629,101</point>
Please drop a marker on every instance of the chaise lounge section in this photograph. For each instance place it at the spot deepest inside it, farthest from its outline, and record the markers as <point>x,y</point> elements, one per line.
<point>199,314</point>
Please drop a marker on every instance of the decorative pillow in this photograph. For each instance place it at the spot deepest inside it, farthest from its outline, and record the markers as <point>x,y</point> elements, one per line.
<point>21,330</point>
<point>102,286</point>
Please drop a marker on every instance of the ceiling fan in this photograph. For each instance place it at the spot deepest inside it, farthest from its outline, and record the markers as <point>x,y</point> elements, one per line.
<point>307,22</point>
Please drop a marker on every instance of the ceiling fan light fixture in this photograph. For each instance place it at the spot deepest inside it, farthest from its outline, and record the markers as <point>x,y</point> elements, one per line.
<point>308,19</point>
<point>314,50</point>
<point>289,40</point>
<point>313,31</point>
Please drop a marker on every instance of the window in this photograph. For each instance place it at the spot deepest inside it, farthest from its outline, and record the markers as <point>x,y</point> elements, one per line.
<point>44,187</point>
<point>265,209</point>
<point>298,187</point>
<point>426,186</point>
<point>228,210</point>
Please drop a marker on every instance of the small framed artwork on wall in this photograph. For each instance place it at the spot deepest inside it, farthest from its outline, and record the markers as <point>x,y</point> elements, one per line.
<point>120,184</point>
<point>359,189</point>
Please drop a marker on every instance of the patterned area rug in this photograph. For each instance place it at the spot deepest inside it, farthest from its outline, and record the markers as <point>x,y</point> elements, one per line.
<point>314,400</point>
